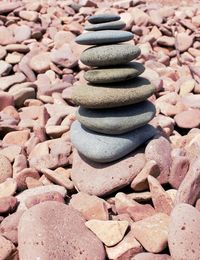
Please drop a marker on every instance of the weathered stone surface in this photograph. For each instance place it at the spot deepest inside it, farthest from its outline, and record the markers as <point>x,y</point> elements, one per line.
<point>50,234</point>
<point>115,25</point>
<point>101,18</point>
<point>109,55</point>
<point>113,95</point>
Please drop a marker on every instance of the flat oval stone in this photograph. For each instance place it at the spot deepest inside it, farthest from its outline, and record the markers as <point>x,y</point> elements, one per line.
<point>113,95</point>
<point>57,232</point>
<point>103,179</point>
<point>108,148</point>
<point>116,25</point>
<point>116,74</point>
<point>102,18</point>
<point>109,55</point>
<point>116,120</point>
<point>103,37</point>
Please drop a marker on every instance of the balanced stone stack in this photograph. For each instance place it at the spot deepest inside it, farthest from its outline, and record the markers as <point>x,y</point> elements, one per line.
<point>114,110</point>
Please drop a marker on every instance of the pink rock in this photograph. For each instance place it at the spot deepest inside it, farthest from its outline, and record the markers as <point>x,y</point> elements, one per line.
<point>7,204</point>
<point>159,150</point>
<point>197,206</point>
<point>188,119</point>
<point>50,214</point>
<point>91,207</point>
<point>155,17</point>
<point>140,17</point>
<point>179,169</point>
<point>161,200</point>
<point>99,180</point>
<point>8,7</point>
<point>48,196</point>
<point>184,232</point>
<point>189,190</point>
<point>183,41</point>
<point>5,168</point>
<point>9,226</point>
<point>8,187</point>
<point>136,211</point>
<point>31,16</point>
<point>17,137</point>
<point>50,154</point>
<point>21,176</point>
<point>6,36</point>
<point>192,101</point>
<point>63,37</point>
<point>6,248</point>
<point>140,182</point>
<point>40,62</point>
<point>19,164</point>
<point>22,33</point>
<point>8,81</point>
<point>166,41</point>
<point>5,100</point>
<point>152,232</point>
<point>150,256</point>
<point>125,249</point>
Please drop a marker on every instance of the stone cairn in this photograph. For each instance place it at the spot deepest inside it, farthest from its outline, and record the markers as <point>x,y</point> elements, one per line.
<point>114,111</point>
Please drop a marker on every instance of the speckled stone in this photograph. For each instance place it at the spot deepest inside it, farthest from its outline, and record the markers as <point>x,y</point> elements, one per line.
<point>113,95</point>
<point>102,18</point>
<point>116,74</point>
<point>109,55</point>
<point>53,230</point>
<point>117,120</point>
<point>103,37</point>
<point>107,148</point>
<point>116,25</point>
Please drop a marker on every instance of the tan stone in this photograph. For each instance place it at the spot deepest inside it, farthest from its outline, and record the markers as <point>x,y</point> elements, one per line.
<point>5,168</point>
<point>91,207</point>
<point>8,187</point>
<point>32,182</point>
<point>109,232</point>
<point>152,232</point>
<point>17,137</point>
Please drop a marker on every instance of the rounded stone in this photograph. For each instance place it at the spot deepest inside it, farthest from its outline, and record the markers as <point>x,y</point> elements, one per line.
<point>184,232</point>
<point>116,74</point>
<point>108,148</point>
<point>109,55</point>
<point>103,179</point>
<point>102,18</point>
<point>116,120</point>
<point>104,37</point>
<point>113,95</point>
<point>5,168</point>
<point>188,119</point>
<point>116,25</point>
<point>57,232</point>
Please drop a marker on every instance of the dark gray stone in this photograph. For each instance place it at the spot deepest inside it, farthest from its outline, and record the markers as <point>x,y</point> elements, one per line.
<point>107,148</point>
<point>102,18</point>
<point>116,25</point>
<point>116,74</point>
<point>103,37</point>
<point>108,55</point>
<point>116,120</point>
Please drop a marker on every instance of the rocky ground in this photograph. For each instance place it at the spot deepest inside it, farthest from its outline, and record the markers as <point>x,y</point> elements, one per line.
<point>144,207</point>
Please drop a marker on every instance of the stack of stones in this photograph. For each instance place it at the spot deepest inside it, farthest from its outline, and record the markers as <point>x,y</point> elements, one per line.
<point>114,111</point>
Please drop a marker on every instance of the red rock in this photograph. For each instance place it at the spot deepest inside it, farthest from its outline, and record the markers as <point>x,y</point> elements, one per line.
<point>140,17</point>
<point>161,200</point>
<point>47,220</point>
<point>179,169</point>
<point>140,182</point>
<point>48,196</point>
<point>166,41</point>
<point>21,176</point>
<point>184,232</point>
<point>155,17</point>
<point>152,232</point>
<point>183,41</point>
<point>9,226</point>
<point>40,62</point>
<point>188,119</point>
<point>99,180</point>
<point>63,37</point>
<point>6,36</point>
<point>159,150</point>
<point>91,207</point>
<point>7,204</point>
<point>189,190</point>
